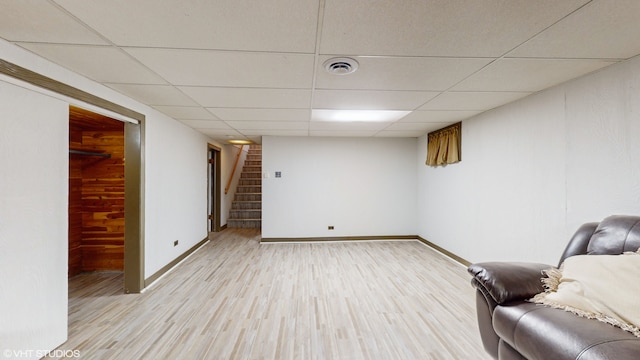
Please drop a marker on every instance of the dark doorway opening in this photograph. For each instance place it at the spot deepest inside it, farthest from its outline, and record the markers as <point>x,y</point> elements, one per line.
<point>214,188</point>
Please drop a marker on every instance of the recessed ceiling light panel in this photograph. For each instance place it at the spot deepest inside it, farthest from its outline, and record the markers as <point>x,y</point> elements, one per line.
<point>357,115</point>
<point>240,142</point>
<point>340,66</point>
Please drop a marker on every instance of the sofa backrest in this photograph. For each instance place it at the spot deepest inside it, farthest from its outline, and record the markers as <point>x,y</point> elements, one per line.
<point>612,236</point>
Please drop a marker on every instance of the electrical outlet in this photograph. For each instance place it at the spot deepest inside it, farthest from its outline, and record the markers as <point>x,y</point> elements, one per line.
<point>175,243</point>
<point>330,227</point>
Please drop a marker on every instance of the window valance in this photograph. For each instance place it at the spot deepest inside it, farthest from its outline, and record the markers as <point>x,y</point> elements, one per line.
<point>444,145</point>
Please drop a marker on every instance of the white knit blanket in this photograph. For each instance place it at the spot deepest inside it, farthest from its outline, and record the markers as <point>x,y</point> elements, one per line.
<point>602,287</point>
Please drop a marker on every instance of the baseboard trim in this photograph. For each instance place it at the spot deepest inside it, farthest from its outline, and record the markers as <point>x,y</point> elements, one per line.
<point>336,238</point>
<point>158,274</point>
<point>148,281</point>
<point>444,251</point>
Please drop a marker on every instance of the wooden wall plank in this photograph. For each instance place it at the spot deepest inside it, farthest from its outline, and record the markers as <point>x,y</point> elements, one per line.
<point>103,202</point>
<point>96,210</point>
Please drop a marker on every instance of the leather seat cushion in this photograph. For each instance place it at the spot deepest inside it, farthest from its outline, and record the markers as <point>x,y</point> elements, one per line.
<point>541,332</point>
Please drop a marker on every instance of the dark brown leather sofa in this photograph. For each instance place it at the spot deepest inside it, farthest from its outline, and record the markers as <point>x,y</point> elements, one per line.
<point>513,328</point>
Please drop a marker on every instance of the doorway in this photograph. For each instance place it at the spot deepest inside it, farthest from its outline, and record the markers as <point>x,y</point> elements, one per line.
<point>105,199</point>
<point>96,193</point>
<point>214,188</point>
<point>134,280</point>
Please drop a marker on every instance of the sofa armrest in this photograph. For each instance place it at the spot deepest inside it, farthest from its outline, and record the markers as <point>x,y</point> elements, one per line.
<point>508,281</point>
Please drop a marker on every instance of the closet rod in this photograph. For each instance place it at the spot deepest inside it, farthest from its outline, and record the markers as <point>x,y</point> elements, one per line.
<point>89,153</point>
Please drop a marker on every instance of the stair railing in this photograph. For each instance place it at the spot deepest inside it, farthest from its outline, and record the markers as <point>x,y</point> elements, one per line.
<point>233,171</point>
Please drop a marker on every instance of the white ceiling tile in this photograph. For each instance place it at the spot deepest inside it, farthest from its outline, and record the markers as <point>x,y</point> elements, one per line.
<point>401,73</point>
<point>221,133</point>
<point>422,128</point>
<point>41,21</point>
<point>400,133</point>
<point>255,133</point>
<point>262,114</point>
<point>602,29</point>
<point>249,97</point>
<point>228,68</point>
<point>437,116</point>
<point>370,100</point>
<point>206,124</point>
<point>417,126</point>
<point>269,125</point>
<point>436,28</point>
<point>528,74</point>
<point>240,68</point>
<point>347,126</point>
<point>154,94</point>
<point>100,63</point>
<point>186,112</point>
<point>285,25</point>
<point>343,133</point>
<point>472,100</point>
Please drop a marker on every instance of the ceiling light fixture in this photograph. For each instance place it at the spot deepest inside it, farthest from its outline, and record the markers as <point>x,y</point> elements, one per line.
<point>357,115</point>
<point>240,142</point>
<point>340,66</point>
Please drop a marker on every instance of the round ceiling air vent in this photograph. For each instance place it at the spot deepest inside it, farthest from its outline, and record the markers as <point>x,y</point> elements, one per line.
<point>341,66</point>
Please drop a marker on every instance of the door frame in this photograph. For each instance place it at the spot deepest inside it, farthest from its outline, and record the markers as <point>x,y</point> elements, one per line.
<point>214,188</point>
<point>134,280</point>
<point>134,164</point>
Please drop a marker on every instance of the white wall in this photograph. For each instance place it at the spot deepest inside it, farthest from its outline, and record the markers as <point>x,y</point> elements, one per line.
<point>34,206</point>
<point>362,186</point>
<point>534,170</point>
<point>175,190</point>
<point>603,144</point>
<point>33,219</point>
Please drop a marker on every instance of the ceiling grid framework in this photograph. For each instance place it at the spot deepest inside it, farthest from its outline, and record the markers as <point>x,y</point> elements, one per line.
<point>246,69</point>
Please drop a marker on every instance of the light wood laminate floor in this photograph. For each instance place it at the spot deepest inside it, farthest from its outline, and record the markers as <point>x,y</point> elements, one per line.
<point>238,299</point>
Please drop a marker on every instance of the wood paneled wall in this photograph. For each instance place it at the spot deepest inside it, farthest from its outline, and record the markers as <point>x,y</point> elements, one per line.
<point>96,196</point>
<point>103,202</point>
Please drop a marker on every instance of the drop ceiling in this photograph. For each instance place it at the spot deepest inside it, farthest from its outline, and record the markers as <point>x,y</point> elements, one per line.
<point>246,68</point>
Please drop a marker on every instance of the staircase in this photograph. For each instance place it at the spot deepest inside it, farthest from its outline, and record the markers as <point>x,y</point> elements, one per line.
<point>246,209</point>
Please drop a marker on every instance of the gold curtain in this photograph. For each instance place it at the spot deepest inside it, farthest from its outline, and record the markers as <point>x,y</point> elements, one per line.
<point>443,146</point>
